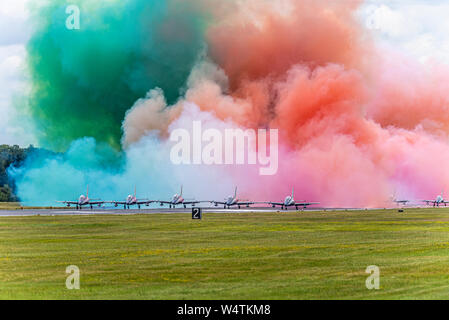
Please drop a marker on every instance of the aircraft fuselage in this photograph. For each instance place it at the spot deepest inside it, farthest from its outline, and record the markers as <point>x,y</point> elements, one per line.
<point>177,199</point>
<point>289,201</point>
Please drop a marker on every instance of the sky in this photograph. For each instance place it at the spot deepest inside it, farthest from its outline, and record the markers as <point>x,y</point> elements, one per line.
<point>14,34</point>
<point>417,28</point>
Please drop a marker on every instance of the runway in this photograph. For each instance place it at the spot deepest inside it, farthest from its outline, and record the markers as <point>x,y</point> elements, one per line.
<point>96,211</point>
<point>110,211</point>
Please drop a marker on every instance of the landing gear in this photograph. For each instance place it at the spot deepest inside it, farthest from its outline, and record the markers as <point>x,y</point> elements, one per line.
<point>239,206</point>
<point>185,206</point>
<point>124,206</point>
<point>91,207</point>
<point>296,208</point>
<point>138,206</point>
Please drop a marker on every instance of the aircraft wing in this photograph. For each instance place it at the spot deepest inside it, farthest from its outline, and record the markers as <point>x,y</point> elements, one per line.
<point>116,202</point>
<point>194,202</point>
<point>275,203</point>
<point>305,203</point>
<point>217,202</point>
<point>96,202</point>
<point>68,202</point>
<point>163,202</point>
<point>243,203</point>
<point>144,201</point>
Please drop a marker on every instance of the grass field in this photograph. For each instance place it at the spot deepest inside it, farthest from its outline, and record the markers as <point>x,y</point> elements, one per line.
<point>17,206</point>
<point>228,256</point>
<point>9,205</point>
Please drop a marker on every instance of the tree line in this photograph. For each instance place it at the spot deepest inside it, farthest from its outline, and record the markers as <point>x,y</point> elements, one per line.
<point>14,156</point>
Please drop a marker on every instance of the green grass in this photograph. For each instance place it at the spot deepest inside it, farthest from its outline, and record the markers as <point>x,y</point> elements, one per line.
<point>9,205</point>
<point>228,256</point>
<point>17,206</point>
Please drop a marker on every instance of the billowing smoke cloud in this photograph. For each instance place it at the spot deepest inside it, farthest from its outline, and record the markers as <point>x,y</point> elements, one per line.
<point>145,166</point>
<point>83,81</point>
<point>356,121</point>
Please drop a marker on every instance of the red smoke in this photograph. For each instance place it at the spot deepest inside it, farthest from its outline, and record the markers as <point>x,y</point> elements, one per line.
<point>355,125</point>
<point>266,38</point>
<point>356,121</point>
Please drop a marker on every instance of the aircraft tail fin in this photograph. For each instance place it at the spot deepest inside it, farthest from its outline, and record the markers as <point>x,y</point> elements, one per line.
<point>181,191</point>
<point>135,191</point>
<point>235,192</point>
<point>293,191</point>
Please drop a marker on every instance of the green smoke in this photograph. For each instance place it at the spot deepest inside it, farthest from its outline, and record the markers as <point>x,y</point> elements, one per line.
<point>83,81</point>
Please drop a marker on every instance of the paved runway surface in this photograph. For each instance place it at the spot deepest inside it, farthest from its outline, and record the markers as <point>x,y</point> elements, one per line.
<point>86,211</point>
<point>52,212</point>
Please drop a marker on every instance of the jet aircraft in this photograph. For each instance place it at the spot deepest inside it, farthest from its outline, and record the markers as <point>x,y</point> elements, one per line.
<point>233,201</point>
<point>84,200</point>
<point>178,200</point>
<point>289,201</point>
<point>131,200</point>
<point>438,200</point>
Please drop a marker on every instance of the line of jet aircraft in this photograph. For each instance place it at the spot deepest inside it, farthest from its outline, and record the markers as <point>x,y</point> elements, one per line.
<point>229,202</point>
<point>178,200</point>
<point>439,200</point>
